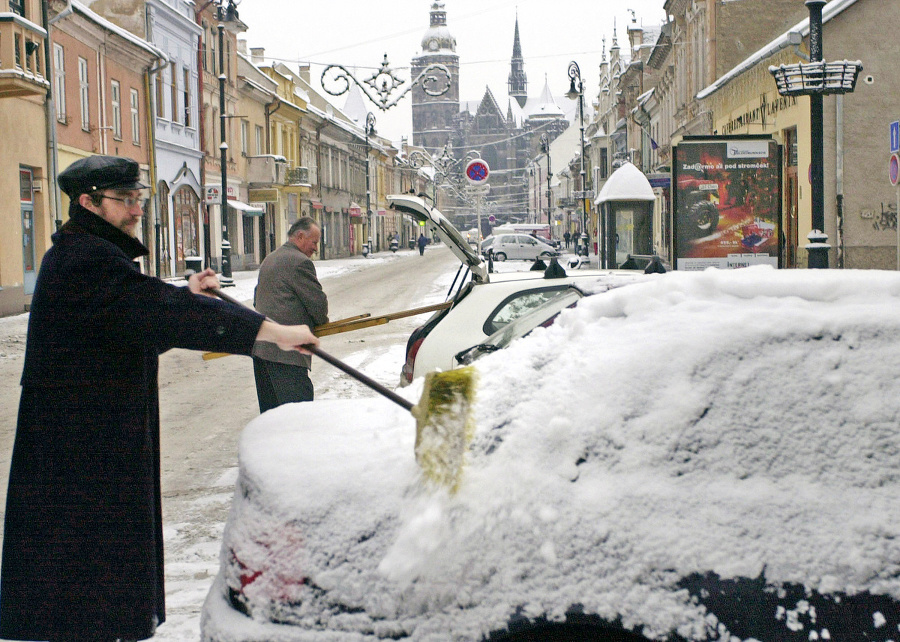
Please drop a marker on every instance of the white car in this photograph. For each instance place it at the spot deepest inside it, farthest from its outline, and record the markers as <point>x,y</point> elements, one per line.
<point>488,301</point>
<point>703,456</point>
<point>521,247</point>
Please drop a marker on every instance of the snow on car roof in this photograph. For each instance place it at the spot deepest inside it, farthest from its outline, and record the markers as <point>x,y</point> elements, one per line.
<point>744,423</point>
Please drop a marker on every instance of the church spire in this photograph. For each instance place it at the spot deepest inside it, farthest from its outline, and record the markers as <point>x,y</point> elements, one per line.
<point>518,82</point>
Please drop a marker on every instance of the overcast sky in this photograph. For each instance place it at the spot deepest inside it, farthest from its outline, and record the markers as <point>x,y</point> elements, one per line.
<point>357,33</point>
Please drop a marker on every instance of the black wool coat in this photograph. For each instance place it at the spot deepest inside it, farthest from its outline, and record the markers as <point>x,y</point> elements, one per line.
<point>83,545</point>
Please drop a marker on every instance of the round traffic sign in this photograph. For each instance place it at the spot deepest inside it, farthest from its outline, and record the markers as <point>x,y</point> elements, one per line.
<point>894,169</point>
<point>477,171</point>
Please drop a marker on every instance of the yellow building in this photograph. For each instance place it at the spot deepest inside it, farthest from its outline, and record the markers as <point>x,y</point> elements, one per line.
<point>25,209</point>
<point>860,203</point>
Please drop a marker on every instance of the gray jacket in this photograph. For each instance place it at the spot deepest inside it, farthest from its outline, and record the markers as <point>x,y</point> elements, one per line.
<point>289,292</point>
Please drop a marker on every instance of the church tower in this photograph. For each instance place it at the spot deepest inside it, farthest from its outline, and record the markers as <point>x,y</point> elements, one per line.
<point>433,116</point>
<point>518,82</point>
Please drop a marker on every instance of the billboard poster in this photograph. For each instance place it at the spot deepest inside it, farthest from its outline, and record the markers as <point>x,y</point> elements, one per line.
<point>726,194</point>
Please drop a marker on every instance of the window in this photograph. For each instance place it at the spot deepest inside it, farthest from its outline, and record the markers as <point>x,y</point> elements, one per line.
<point>160,101</point>
<point>59,81</point>
<point>244,134</point>
<point>259,141</point>
<point>116,97</point>
<point>204,46</point>
<point>173,92</point>
<point>135,117</point>
<point>17,6</point>
<point>186,93</point>
<point>84,94</point>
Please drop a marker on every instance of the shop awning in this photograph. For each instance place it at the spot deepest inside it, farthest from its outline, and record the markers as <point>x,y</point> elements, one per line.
<point>245,209</point>
<point>317,205</point>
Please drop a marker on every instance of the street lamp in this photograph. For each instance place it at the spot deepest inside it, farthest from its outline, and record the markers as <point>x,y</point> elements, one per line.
<point>370,131</point>
<point>227,12</point>
<point>576,90</point>
<point>814,80</point>
<point>545,147</point>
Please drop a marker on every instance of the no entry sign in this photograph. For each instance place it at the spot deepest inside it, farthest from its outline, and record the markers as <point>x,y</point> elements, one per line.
<point>894,169</point>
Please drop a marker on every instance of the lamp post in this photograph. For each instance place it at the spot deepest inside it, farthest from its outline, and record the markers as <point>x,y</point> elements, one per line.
<point>814,80</point>
<point>576,90</point>
<point>227,12</point>
<point>545,147</point>
<point>370,131</point>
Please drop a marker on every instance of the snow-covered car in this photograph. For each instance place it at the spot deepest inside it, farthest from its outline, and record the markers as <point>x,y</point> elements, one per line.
<point>486,302</point>
<point>542,316</point>
<point>702,456</point>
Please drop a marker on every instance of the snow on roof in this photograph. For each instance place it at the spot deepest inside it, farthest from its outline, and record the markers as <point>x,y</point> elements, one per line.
<point>627,183</point>
<point>829,11</point>
<point>738,422</point>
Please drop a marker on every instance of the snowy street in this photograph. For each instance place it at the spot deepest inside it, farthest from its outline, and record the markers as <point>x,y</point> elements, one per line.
<point>206,404</point>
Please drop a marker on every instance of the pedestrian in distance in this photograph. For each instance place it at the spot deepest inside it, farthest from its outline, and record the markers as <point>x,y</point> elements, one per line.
<point>289,292</point>
<point>83,537</point>
<point>423,241</point>
<point>567,237</point>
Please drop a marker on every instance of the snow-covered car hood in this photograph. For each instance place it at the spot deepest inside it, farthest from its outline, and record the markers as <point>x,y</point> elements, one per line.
<point>716,426</point>
<point>419,210</point>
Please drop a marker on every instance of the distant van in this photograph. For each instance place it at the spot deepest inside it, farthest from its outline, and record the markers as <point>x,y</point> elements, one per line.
<point>518,246</point>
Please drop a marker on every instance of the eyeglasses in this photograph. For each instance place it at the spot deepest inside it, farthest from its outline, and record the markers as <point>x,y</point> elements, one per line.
<point>128,200</point>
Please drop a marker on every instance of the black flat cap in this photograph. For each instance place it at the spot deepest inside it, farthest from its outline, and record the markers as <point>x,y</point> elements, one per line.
<point>100,172</point>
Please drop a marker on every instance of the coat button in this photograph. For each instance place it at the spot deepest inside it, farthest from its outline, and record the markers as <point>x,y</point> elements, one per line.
<point>220,330</point>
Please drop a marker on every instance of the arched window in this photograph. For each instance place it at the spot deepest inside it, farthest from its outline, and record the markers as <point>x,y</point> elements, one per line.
<point>187,225</point>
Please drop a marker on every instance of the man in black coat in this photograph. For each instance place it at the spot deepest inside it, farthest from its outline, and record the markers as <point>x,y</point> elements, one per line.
<point>83,544</point>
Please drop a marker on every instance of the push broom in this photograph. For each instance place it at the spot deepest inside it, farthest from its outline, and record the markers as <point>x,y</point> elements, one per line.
<point>444,422</point>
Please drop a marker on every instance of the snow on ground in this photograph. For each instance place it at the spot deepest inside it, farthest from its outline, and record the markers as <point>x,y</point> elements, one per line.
<point>737,422</point>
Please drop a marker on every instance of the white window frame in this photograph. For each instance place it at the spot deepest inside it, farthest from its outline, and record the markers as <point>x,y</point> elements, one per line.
<point>244,135</point>
<point>115,95</point>
<point>135,117</point>
<point>259,141</point>
<point>84,94</point>
<point>59,81</point>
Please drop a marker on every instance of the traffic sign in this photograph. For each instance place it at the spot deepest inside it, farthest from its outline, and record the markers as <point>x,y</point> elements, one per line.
<point>894,169</point>
<point>895,137</point>
<point>477,171</point>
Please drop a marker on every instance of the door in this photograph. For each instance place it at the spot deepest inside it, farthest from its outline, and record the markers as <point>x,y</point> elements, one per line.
<point>26,198</point>
<point>790,239</point>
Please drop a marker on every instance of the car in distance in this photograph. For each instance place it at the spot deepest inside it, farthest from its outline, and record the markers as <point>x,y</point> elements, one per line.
<point>699,457</point>
<point>523,247</point>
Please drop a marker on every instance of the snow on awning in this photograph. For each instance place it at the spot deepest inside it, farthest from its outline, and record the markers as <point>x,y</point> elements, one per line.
<point>245,209</point>
<point>627,183</point>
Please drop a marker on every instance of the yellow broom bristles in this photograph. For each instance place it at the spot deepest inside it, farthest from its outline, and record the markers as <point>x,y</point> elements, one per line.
<point>445,425</point>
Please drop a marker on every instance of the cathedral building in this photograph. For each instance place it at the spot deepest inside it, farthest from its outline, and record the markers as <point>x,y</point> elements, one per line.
<point>505,132</point>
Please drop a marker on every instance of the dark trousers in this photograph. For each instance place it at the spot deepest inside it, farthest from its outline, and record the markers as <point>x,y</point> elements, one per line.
<point>280,383</point>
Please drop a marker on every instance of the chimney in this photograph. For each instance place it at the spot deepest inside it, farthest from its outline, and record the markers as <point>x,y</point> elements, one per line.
<point>257,55</point>
<point>304,72</point>
<point>242,47</point>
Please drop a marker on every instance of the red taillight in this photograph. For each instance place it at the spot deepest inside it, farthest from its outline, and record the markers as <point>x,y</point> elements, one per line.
<point>411,359</point>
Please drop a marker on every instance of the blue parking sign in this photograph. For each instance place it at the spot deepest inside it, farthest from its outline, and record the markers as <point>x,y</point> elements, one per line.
<point>895,137</point>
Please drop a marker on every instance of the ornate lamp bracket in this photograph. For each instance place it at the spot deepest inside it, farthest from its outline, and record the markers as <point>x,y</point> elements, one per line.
<point>384,83</point>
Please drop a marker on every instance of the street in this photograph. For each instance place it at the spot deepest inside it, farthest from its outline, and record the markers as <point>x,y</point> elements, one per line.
<point>205,404</point>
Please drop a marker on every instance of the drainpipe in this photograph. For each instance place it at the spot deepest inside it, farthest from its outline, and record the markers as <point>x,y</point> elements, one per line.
<point>150,108</point>
<point>50,109</point>
<point>270,214</point>
<point>839,178</point>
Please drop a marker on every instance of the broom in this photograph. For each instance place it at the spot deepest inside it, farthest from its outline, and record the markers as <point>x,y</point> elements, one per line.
<point>444,423</point>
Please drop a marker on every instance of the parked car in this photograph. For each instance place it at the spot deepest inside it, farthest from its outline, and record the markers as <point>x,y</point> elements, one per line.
<point>488,301</point>
<point>520,246</point>
<point>703,456</point>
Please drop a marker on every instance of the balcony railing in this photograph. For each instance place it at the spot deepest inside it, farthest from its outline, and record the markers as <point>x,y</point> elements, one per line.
<point>297,176</point>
